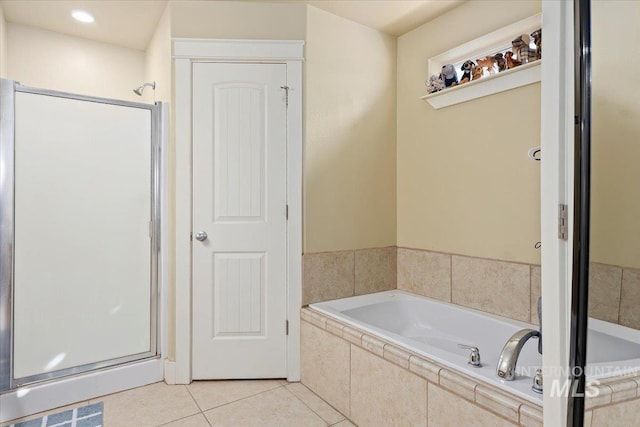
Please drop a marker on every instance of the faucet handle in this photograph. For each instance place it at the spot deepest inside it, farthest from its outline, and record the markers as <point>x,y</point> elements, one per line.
<point>474,356</point>
<point>537,382</point>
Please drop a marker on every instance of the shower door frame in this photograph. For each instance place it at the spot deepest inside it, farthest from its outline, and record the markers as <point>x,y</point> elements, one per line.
<point>118,373</point>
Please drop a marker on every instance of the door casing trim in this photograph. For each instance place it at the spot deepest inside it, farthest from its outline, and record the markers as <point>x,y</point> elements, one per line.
<point>185,53</point>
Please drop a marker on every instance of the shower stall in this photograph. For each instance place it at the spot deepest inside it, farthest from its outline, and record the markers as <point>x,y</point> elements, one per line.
<point>80,217</point>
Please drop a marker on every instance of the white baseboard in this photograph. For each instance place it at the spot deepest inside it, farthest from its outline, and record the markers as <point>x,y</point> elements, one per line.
<point>169,372</point>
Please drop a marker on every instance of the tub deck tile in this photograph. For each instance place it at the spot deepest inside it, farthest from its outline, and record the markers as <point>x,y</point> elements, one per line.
<point>424,368</point>
<point>531,416</point>
<point>622,388</point>
<point>498,402</point>
<point>352,335</point>
<point>373,345</point>
<point>306,315</point>
<point>318,320</point>
<point>448,409</point>
<point>603,397</point>
<point>458,384</point>
<point>624,414</point>
<point>325,365</point>
<point>484,396</point>
<point>383,394</point>
<point>396,355</point>
<point>334,327</point>
<point>588,416</point>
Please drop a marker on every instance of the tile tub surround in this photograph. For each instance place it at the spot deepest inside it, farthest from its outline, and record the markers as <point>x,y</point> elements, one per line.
<point>341,274</point>
<point>498,287</point>
<point>381,381</point>
<point>504,288</point>
<point>511,289</point>
<point>617,403</point>
<point>614,294</point>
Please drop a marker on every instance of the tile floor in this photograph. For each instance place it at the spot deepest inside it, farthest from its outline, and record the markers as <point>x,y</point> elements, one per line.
<point>217,403</point>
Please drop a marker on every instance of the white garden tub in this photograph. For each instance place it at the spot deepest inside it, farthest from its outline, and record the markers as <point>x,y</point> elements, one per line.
<point>434,329</point>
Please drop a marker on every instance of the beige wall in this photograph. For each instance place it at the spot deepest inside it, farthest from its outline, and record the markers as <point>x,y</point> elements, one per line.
<point>615,180</point>
<point>349,165</point>
<point>465,184</point>
<point>158,58</point>
<point>3,44</point>
<point>55,61</point>
<point>237,20</point>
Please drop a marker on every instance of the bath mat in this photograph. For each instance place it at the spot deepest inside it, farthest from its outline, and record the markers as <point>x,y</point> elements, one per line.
<point>85,416</point>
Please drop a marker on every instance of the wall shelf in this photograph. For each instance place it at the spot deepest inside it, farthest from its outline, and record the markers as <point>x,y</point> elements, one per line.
<point>516,77</point>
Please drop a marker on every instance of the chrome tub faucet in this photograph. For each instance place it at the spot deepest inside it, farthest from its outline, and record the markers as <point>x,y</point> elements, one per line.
<point>506,368</point>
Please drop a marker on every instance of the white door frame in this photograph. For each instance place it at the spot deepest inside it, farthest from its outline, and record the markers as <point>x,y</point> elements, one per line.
<point>557,144</point>
<point>185,53</point>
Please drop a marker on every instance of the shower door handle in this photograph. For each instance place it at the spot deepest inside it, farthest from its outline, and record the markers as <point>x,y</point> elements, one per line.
<point>201,236</point>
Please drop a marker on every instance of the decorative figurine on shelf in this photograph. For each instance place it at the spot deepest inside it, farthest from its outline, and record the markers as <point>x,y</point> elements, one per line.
<point>477,72</point>
<point>434,84</point>
<point>537,39</point>
<point>449,75</point>
<point>467,68</point>
<point>522,50</point>
<point>511,63</point>
<point>502,64</point>
<point>487,63</point>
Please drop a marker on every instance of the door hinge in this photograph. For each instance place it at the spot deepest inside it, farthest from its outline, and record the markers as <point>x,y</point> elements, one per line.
<point>286,327</point>
<point>286,212</point>
<point>286,96</point>
<point>563,222</point>
<point>151,229</point>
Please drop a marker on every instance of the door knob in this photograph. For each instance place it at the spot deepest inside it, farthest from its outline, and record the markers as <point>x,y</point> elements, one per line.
<point>201,236</point>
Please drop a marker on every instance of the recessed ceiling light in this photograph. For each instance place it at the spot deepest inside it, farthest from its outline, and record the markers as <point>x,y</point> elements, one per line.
<point>82,16</point>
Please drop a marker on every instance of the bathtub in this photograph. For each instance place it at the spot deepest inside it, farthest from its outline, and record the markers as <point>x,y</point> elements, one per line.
<point>433,329</point>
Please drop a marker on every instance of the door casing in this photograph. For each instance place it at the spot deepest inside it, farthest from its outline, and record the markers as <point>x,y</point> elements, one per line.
<point>185,53</point>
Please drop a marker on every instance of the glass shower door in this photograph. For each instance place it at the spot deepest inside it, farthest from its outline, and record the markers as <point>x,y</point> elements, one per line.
<point>84,235</point>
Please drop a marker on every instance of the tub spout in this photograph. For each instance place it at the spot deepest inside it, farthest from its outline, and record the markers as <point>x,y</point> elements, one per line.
<point>506,368</point>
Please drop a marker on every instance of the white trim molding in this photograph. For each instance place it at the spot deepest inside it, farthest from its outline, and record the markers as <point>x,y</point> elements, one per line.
<point>185,53</point>
<point>241,50</point>
<point>523,75</point>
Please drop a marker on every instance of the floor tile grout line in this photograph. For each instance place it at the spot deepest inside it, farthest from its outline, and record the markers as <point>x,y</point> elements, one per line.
<point>311,409</point>
<point>182,418</point>
<point>198,405</point>
<point>186,386</point>
<point>242,398</point>
<point>186,416</point>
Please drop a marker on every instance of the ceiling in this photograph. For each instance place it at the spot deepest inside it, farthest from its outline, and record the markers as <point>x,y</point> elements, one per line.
<point>131,23</point>
<point>392,17</point>
<point>123,23</point>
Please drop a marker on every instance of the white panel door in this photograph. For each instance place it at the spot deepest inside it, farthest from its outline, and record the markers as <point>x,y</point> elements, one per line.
<point>239,201</point>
